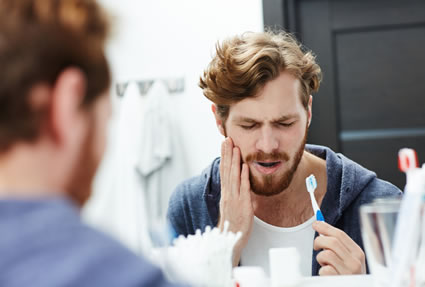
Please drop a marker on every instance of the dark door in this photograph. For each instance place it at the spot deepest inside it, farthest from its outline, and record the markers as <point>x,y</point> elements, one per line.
<point>372,53</point>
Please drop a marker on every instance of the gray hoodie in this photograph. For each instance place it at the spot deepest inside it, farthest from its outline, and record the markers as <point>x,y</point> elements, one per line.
<point>195,202</point>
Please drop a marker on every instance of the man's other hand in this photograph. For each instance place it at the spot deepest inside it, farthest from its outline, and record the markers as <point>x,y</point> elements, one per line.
<point>340,254</point>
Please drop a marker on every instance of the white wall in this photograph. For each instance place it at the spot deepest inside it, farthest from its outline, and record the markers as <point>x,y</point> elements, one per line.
<point>176,38</point>
<point>161,39</point>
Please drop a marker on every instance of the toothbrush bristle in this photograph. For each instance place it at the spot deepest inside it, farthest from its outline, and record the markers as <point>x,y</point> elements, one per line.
<point>311,182</point>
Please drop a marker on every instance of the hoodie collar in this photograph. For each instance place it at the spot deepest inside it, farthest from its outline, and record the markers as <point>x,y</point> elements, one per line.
<point>346,180</point>
<point>212,188</point>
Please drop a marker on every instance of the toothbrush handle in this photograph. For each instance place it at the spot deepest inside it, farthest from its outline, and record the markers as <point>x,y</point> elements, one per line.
<point>319,216</point>
<point>314,203</point>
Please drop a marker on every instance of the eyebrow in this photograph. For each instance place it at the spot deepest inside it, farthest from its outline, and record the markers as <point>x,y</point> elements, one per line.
<point>278,120</point>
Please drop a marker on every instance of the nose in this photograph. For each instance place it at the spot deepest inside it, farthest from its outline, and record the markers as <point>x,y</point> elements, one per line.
<point>267,142</point>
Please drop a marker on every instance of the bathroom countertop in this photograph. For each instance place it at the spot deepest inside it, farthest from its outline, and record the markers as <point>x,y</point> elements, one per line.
<point>337,281</point>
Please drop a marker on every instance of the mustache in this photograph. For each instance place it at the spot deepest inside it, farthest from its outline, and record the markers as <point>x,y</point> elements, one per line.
<point>262,156</point>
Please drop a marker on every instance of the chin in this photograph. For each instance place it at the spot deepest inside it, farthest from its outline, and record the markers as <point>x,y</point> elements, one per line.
<point>265,188</point>
<point>271,184</point>
<point>268,193</point>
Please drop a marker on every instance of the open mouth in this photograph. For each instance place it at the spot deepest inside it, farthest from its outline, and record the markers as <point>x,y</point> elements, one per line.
<point>267,167</point>
<point>268,164</point>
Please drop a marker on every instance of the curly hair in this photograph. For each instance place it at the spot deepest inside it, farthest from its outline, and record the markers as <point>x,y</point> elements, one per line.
<point>243,64</point>
<point>38,40</point>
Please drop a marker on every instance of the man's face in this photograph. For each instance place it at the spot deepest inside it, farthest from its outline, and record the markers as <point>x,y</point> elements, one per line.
<point>271,132</point>
<point>92,150</point>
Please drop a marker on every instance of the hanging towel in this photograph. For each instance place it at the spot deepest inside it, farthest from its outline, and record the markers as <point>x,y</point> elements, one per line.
<point>117,203</point>
<point>156,141</point>
<point>162,164</point>
<point>144,162</point>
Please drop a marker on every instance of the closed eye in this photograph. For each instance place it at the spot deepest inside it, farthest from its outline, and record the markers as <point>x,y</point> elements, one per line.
<point>286,124</point>
<point>248,127</point>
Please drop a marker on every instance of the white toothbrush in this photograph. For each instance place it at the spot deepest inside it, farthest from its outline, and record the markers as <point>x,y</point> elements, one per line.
<point>311,184</point>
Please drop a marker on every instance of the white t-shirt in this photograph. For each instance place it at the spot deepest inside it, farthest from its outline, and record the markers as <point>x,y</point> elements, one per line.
<point>265,236</point>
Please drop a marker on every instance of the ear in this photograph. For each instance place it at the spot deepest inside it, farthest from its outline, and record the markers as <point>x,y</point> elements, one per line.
<point>309,110</point>
<point>67,96</point>
<point>218,120</point>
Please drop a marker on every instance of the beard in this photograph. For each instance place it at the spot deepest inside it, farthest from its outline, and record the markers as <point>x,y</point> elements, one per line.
<point>80,184</point>
<point>269,185</point>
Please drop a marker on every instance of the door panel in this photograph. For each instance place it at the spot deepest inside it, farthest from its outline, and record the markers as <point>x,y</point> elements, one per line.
<point>378,71</point>
<point>372,99</point>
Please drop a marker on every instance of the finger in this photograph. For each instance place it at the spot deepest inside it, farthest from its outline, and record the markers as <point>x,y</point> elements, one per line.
<point>230,142</point>
<point>328,257</point>
<point>236,172</point>
<point>327,270</point>
<point>223,149</point>
<point>222,167</point>
<point>245,186</point>
<point>332,243</point>
<point>328,230</point>
<point>352,263</point>
<point>227,164</point>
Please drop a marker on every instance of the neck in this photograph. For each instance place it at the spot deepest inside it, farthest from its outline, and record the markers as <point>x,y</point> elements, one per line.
<point>292,206</point>
<point>27,171</point>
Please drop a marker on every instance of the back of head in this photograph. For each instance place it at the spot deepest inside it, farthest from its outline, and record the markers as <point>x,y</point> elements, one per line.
<point>243,64</point>
<point>38,40</point>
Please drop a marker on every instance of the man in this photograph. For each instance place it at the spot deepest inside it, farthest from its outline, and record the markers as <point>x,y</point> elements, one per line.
<point>261,86</point>
<point>53,113</point>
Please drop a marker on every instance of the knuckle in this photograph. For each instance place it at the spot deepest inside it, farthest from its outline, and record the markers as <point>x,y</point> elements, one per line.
<point>333,241</point>
<point>340,233</point>
<point>322,256</point>
<point>317,243</point>
<point>319,257</point>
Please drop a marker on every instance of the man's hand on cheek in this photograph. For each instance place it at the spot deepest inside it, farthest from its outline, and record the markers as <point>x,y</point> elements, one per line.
<point>340,254</point>
<point>235,202</point>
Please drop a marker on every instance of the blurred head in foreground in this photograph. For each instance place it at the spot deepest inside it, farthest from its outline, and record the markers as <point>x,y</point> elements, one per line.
<point>54,106</point>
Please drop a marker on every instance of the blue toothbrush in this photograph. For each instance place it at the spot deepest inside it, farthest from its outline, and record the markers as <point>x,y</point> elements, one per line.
<point>311,184</point>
